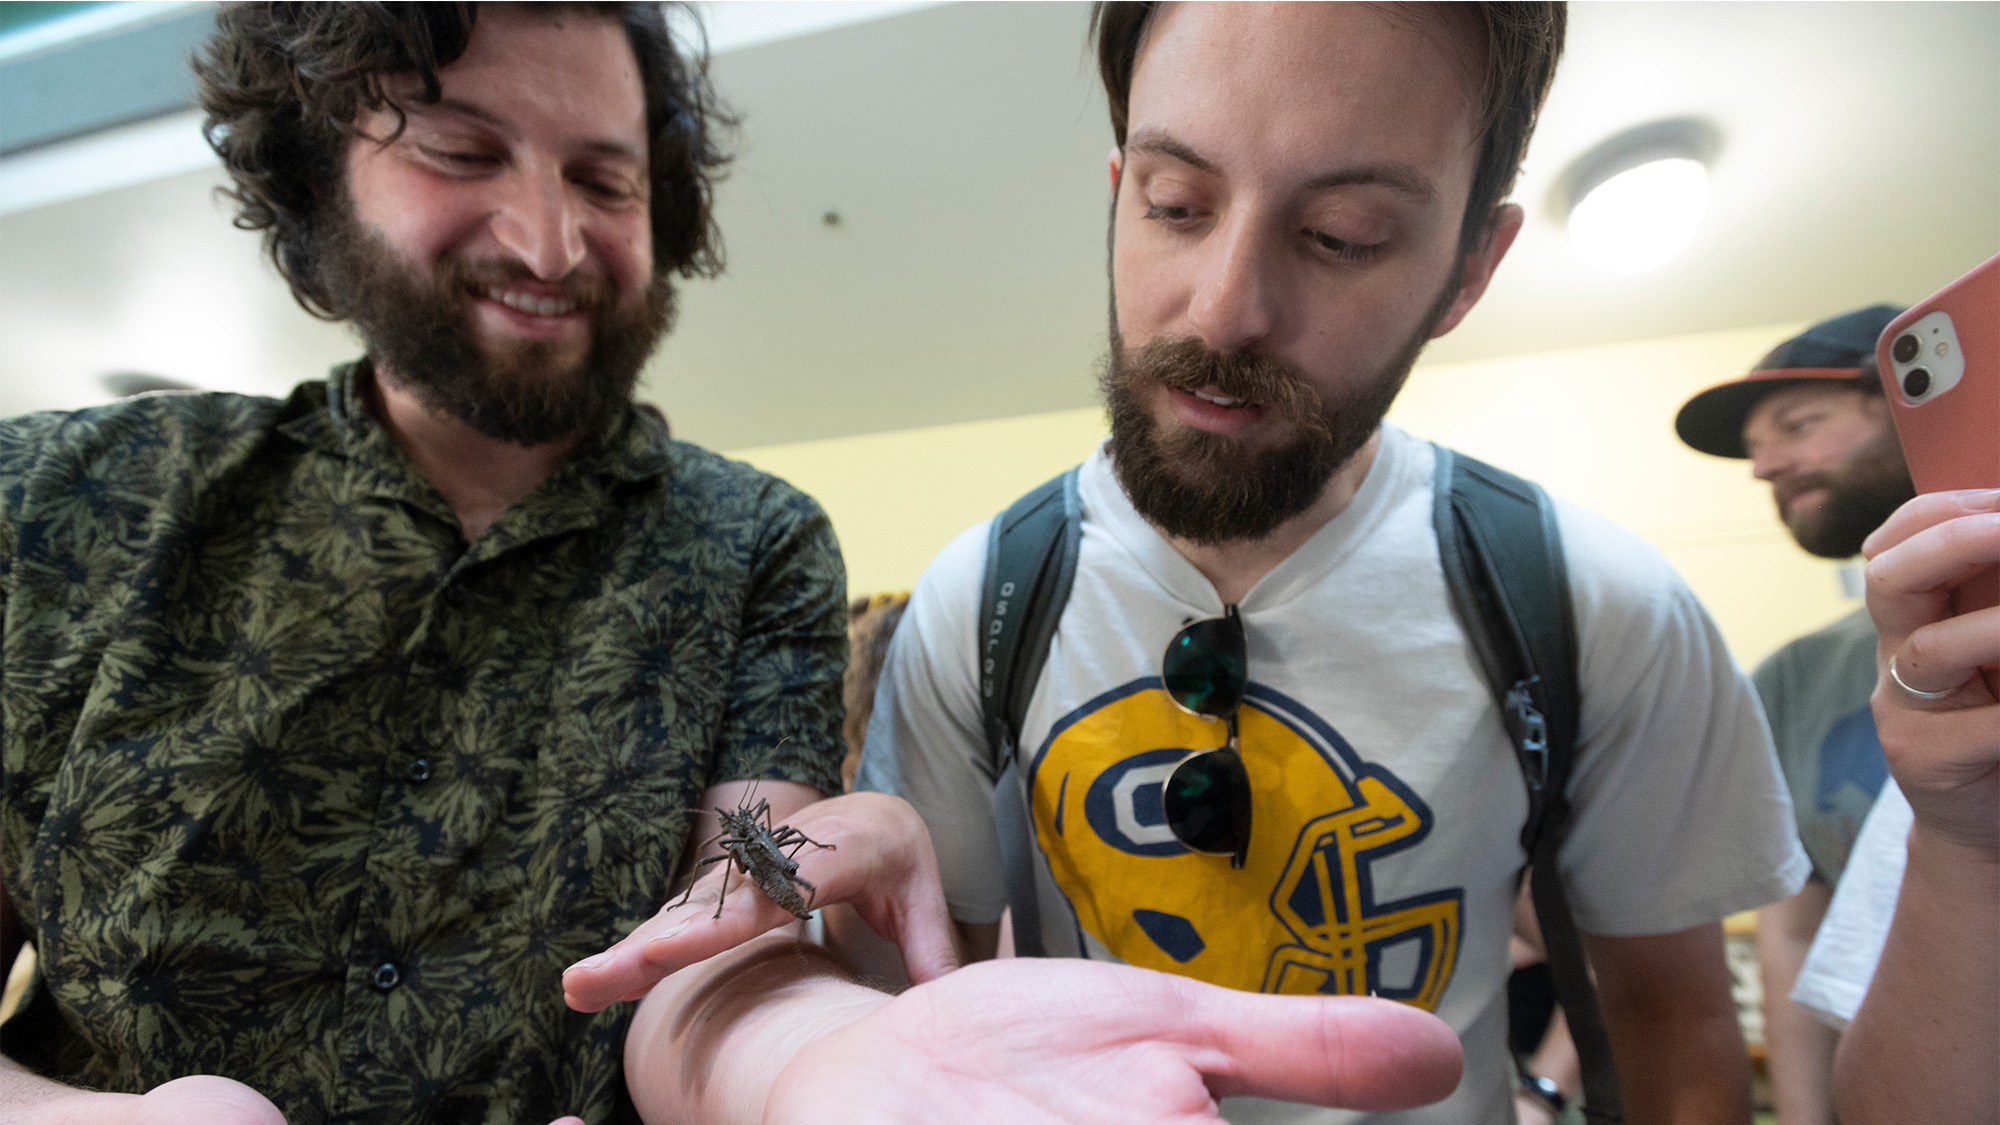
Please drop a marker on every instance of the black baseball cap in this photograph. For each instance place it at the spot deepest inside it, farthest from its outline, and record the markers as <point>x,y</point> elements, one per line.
<point>1837,350</point>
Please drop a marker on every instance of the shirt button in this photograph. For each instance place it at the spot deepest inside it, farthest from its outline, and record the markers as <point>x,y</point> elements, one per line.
<point>419,770</point>
<point>386,976</point>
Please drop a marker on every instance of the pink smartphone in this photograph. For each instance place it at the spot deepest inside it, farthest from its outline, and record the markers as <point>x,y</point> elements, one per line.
<point>1941,371</point>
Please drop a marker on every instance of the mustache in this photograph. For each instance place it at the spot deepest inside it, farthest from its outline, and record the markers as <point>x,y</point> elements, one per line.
<point>591,293</point>
<point>1184,363</point>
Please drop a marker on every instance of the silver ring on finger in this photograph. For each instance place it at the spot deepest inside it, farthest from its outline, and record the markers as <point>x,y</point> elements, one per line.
<point>1919,693</point>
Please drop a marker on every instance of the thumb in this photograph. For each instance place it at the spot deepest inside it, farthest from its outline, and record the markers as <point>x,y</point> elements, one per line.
<point>885,869</point>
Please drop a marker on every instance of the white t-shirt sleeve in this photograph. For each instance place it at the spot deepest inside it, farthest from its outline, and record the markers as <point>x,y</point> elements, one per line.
<point>1842,960</point>
<point>1680,816</point>
<point>925,740</point>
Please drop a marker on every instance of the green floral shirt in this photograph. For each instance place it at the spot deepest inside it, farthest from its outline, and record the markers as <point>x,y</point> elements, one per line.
<point>298,788</point>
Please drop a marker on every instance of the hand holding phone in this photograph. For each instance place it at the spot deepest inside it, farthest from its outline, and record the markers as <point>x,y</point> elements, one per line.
<point>1941,372</point>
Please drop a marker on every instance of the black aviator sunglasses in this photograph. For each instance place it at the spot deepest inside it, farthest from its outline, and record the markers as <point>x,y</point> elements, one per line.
<point>1206,800</point>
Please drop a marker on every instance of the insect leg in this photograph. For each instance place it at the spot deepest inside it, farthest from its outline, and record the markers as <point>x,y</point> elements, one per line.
<point>694,876</point>
<point>724,896</point>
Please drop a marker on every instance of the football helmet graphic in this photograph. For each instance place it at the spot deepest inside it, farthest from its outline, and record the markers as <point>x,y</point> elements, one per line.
<point>1302,915</point>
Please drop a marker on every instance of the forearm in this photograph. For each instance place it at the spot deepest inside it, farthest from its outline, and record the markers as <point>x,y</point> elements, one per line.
<point>1675,1042</point>
<point>1922,1046</point>
<point>1684,1070</point>
<point>707,1044</point>
<point>1799,1051</point>
<point>1556,1058</point>
<point>1799,1045</point>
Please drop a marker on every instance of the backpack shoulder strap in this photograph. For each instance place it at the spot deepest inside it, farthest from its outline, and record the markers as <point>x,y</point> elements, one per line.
<point>1503,562</point>
<point>1031,554</point>
<point>1504,565</point>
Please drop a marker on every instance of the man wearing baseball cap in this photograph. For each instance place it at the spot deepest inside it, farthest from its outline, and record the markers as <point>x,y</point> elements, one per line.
<point>1812,420</point>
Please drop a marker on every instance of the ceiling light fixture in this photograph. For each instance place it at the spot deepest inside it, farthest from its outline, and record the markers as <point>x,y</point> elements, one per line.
<point>1634,201</point>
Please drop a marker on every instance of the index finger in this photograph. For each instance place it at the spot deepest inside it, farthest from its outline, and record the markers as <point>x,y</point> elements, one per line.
<point>1353,1052</point>
<point>1928,510</point>
<point>628,971</point>
<point>1920,555</point>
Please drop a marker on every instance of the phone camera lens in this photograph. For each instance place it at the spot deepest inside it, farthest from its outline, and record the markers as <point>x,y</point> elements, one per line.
<point>1916,382</point>
<point>1906,348</point>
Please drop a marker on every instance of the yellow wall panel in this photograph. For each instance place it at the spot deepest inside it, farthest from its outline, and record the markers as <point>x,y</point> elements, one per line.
<point>897,498</point>
<point>1595,426</point>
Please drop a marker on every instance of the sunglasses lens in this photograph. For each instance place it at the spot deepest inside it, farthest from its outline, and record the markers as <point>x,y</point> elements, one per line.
<point>1207,802</point>
<point>1205,669</point>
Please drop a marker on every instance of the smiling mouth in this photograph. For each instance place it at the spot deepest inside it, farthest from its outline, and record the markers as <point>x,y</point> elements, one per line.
<point>532,306</point>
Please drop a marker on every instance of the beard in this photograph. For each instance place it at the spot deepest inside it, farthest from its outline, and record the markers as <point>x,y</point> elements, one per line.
<point>1860,496</point>
<point>419,331</point>
<point>1208,488</point>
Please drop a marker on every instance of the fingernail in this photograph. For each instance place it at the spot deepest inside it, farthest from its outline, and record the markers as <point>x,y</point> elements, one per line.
<point>595,960</point>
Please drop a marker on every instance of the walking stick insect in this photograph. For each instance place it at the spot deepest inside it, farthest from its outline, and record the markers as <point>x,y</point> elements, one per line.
<point>757,849</point>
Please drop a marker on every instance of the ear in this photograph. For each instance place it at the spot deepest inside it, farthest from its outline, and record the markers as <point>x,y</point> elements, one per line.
<point>1117,166</point>
<point>1480,264</point>
<point>1875,407</point>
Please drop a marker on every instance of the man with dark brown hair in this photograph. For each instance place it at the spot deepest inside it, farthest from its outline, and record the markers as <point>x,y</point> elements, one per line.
<point>1303,196</point>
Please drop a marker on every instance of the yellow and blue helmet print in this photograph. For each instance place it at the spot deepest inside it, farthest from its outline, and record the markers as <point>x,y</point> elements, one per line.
<point>1302,915</point>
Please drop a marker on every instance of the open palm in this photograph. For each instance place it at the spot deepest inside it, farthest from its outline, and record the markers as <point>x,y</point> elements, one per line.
<point>1064,1040</point>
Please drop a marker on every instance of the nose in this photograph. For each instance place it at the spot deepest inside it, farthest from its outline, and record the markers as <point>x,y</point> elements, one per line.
<point>1234,301</point>
<point>1770,460</point>
<point>540,223</point>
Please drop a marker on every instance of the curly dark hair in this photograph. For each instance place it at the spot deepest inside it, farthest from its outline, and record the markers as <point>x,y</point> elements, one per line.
<point>283,85</point>
<point>1522,42</point>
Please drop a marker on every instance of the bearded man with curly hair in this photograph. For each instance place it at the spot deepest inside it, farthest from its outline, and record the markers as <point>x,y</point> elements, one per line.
<point>338,726</point>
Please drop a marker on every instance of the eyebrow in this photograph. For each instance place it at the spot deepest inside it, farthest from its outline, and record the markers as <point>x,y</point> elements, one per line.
<point>1155,141</point>
<point>1399,178</point>
<point>481,114</point>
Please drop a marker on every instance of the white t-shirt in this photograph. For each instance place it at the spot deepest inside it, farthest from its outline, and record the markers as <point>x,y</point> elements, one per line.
<point>1844,952</point>
<point>1387,802</point>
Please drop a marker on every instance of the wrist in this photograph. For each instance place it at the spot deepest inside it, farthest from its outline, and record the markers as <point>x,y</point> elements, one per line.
<point>709,1041</point>
<point>1542,1092</point>
<point>1933,848</point>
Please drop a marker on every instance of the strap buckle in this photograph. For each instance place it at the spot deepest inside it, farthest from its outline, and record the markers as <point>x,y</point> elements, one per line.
<point>1530,729</point>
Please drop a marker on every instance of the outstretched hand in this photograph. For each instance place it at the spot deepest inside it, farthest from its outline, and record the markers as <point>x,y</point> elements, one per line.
<point>1944,753</point>
<point>1068,1040</point>
<point>878,860</point>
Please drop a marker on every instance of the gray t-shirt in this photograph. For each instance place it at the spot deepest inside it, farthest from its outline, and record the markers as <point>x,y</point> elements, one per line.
<point>1815,692</point>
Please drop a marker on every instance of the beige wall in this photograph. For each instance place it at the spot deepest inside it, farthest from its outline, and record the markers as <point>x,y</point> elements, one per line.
<point>1593,425</point>
<point>897,498</point>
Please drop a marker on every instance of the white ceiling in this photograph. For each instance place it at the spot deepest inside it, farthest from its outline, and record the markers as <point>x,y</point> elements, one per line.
<point>963,147</point>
